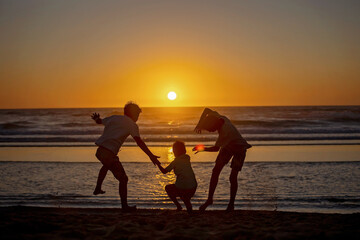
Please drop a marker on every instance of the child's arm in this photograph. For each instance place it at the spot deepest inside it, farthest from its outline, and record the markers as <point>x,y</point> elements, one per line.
<point>212,149</point>
<point>146,150</point>
<point>96,118</point>
<point>201,148</point>
<point>163,170</point>
<point>203,116</point>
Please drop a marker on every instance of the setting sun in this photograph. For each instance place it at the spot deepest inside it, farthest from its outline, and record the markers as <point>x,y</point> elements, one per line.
<point>172,95</point>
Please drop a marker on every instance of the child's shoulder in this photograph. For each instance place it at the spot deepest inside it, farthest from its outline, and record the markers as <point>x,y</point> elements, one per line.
<point>115,117</point>
<point>182,158</point>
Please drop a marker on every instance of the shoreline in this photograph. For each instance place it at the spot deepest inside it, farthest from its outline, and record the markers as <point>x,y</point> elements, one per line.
<point>287,153</point>
<point>112,223</point>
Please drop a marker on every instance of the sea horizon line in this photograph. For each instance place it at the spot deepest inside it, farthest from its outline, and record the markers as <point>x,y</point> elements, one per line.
<point>196,106</point>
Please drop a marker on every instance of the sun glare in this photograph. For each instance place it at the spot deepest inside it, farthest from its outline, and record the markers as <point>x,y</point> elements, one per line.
<point>172,95</point>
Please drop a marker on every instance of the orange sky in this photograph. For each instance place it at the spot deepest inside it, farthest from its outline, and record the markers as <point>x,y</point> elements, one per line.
<point>237,53</point>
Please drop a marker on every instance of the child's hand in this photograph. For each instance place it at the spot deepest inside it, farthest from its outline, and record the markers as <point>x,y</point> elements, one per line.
<point>199,148</point>
<point>95,116</point>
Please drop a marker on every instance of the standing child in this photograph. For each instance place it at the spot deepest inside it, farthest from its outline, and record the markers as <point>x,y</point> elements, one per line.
<point>185,185</point>
<point>116,129</point>
<point>231,145</point>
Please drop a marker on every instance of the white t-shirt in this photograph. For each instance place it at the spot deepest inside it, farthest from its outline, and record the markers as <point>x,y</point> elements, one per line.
<point>117,129</point>
<point>228,133</point>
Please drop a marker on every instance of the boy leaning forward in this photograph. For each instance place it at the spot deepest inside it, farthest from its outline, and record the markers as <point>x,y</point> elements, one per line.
<point>230,144</point>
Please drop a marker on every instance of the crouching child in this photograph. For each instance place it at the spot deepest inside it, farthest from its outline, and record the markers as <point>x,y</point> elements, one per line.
<point>185,185</point>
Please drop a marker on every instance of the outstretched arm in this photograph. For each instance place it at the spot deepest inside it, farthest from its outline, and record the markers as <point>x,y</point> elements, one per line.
<point>163,170</point>
<point>206,149</point>
<point>212,149</point>
<point>146,150</point>
<point>96,118</point>
<point>203,116</point>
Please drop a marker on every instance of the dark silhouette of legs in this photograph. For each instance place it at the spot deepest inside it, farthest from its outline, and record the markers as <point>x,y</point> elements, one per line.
<point>236,166</point>
<point>184,194</point>
<point>187,203</point>
<point>172,192</point>
<point>213,183</point>
<point>233,188</point>
<point>123,191</point>
<point>222,159</point>
<point>119,173</point>
<point>111,162</point>
<point>102,174</point>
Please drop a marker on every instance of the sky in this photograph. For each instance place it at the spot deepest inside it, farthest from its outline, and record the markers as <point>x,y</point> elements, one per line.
<point>56,54</point>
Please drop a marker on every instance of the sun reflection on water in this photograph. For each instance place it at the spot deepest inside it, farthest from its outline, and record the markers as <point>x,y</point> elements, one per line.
<point>170,155</point>
<point>166,179</point>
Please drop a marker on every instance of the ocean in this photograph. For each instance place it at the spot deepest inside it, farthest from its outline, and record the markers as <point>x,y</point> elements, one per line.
<point>161,126</point>
<point>303,158</point>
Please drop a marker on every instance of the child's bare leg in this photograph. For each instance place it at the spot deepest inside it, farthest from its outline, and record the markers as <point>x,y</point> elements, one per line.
<point>233,188</point>
<point>213,183</point>
<point>123,181</point>
<point>187,203</point>
<point>172,195</point>
<point>119,173</point>
<point>102,174</point>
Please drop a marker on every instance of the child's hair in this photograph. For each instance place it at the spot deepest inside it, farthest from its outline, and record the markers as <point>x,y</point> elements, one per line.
<point>179,148</point>
<point>131,108</point>
<point>210,123</point>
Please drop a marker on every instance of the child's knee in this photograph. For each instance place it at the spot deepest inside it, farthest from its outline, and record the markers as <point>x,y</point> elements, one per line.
<point>186,199</point>
<point>233,176</point>
<point>123,178</point>
<point>217,169</point>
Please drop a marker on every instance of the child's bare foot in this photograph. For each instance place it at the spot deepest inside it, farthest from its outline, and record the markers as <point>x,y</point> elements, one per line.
<point>230,207</point>
<point>205,205</point>
<point>129,209</point>
<point>98,191</point>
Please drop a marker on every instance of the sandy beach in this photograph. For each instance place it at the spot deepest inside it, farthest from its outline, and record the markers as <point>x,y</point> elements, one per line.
<point>91,223</point>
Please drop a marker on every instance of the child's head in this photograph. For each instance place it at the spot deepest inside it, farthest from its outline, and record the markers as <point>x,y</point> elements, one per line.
<point>132,110</point>
<point>179,148</point>
<point>212,123</point>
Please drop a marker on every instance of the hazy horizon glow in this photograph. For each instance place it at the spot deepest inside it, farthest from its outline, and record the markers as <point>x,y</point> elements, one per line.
<point>211,53</point>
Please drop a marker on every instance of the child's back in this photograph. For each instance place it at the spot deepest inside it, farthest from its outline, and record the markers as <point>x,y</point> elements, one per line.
<point>185,177</point>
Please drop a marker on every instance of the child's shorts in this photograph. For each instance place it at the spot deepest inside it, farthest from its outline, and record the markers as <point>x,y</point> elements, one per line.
<point>185,193</point>
<point>111,162</point>
<point>235,151</point>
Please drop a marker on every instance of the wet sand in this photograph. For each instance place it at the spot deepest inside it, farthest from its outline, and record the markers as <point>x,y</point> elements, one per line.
<point>87,223</point>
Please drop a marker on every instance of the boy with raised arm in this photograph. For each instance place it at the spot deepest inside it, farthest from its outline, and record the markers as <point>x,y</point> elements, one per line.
<point>231,145</point>
<point>117,129</point>
<point>185,185</point>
